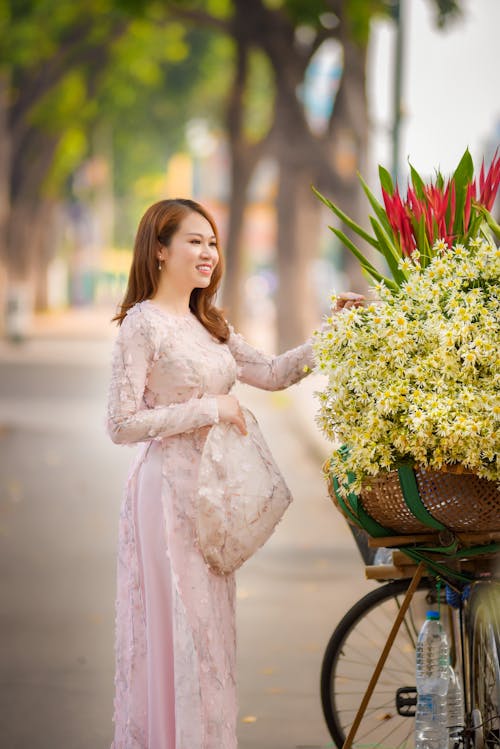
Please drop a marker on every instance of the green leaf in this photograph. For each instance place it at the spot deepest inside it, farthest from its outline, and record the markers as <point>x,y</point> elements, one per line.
<point>386,180</point>
<point>346,220</point>
<point>377,207</point>
<point>390,253</point>
<point>464,172</point>
<point>462,176</point>
<point>439,180</point>
<point>418,183</point>
<point>476,221</point>
<point>374,273</point>
<point>495,228</point>
<point>460,197</point>
<point>423,243</point>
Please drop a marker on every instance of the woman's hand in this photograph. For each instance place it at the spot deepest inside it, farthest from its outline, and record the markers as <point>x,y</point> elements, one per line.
<point>346,300</point>
<point>230,411</point>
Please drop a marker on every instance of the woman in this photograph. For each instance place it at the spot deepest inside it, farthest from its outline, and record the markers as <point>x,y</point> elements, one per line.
<point>174,363</point>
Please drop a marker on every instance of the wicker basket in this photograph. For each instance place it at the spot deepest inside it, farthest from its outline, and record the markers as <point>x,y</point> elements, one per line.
<point>459,500</point>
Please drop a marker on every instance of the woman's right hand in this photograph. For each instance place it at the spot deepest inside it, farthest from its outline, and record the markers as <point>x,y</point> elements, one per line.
<point>230,412</point>
<point>346,300</point>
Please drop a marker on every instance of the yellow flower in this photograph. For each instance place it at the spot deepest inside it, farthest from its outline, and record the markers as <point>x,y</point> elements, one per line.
<point>426,384</point>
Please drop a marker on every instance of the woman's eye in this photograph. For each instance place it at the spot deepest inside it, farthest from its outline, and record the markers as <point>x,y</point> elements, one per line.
<point>195,241</point>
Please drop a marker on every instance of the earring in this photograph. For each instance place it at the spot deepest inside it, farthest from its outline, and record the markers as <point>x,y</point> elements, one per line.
<point>159,264</point>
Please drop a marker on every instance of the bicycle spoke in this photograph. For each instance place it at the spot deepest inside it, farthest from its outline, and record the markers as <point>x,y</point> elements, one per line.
<point>385,736</point>
<point>369,709</point>
<point>353,654</point>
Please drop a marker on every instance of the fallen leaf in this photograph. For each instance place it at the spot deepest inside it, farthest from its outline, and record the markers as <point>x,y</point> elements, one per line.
<point>280,400</point>
<point>52,458</point>
<point>14,490</point>
<point>242,594</point>
<point>310,647</point>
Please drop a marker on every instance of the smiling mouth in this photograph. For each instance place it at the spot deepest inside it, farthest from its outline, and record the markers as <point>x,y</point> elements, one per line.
<point>204,268</point>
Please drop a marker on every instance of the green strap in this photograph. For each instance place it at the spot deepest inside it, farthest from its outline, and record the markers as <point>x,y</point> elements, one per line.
<point>412,498</point>
<point>354,509</point>
<point>450,550</point>
<point>340,499</point>
<point>474,551</point>
<point>370,525</point>
<point>441,569</point>
<point>436,568</point>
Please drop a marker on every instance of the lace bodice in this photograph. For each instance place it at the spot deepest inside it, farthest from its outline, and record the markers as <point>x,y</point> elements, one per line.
<point>167,370</point>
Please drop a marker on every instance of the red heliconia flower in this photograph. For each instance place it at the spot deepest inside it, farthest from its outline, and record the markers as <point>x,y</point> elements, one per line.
<point>436,206</point>
<point>416,209</point>
<point>469,195</point>
<point>399,221</point>
<point>453,205</point>
<point>438,201</point>
<point>488,185</point>
<point>428,224</point>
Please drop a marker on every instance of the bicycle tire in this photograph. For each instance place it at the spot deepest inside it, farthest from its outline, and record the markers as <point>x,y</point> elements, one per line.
<point>332,683</point>
<point>484,639</point>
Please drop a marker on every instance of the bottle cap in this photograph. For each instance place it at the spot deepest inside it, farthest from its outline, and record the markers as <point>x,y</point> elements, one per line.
<point>433,615</point>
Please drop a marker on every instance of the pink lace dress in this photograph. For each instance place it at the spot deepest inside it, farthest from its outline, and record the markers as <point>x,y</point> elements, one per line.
<point>175,644</point>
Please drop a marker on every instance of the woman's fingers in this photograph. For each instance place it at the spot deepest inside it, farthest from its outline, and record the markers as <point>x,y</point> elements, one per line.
<point>230,411</point>
<point>239,420</point>
<point>347,300</point>
<point>241,423</point>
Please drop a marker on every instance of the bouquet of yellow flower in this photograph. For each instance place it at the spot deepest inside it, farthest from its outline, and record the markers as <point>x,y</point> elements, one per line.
<point>417,375</point>
<point>413,378</point>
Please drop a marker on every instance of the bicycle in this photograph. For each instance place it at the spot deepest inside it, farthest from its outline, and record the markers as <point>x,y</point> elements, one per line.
<point>471,616</point>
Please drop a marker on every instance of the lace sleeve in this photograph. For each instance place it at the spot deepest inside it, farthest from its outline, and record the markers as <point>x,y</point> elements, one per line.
<point>270,372</point>
<point>128,417</point>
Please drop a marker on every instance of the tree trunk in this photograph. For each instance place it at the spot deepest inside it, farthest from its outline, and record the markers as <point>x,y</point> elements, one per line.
<point>241,172</point>
<point>25,226</point>
<point>43,254</point>
<point>5,160</point>
<point>298,230</point>
<point>243,160</point>
<point>347,150</point>
<point>28,174</point>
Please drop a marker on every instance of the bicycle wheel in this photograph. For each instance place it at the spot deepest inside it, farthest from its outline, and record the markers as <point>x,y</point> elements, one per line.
<point>484,629</point>
<point>350,659</point>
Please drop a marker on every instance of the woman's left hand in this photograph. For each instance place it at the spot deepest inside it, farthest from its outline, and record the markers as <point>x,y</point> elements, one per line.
<point>346,300</point>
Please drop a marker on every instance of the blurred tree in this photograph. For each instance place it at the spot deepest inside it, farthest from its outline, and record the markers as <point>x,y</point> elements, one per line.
<point>52,55</point>
<point>161,76</point>
<point>289,33</point>
<point>70,72</point>
<point>65,66</point>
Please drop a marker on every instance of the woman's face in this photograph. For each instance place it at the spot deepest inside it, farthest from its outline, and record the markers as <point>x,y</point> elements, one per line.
<point>192,253</point>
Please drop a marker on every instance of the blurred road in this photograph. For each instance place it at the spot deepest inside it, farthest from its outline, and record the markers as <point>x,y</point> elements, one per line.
<point>61,486</point>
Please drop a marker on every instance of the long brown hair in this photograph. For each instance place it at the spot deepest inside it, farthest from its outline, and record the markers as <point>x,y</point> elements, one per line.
<point>157,227</point>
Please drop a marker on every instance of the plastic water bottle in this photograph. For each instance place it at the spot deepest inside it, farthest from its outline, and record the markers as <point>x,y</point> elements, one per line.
<point>455,704</point>
<point>383,556</point>
<point>431,722</point>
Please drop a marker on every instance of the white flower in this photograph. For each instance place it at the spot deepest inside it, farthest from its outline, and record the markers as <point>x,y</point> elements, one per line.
<point>418,375</point>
